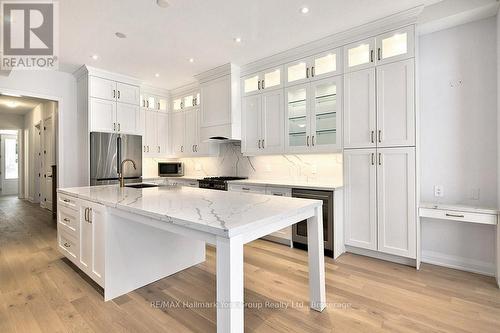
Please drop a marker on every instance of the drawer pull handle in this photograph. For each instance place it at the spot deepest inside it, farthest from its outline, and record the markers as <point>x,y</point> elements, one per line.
<point>66,220</point>
<point>454,215</point>
<point>66,200</point>
<point>67,245</point>
<point>245,189</point>
<point>278,194</point>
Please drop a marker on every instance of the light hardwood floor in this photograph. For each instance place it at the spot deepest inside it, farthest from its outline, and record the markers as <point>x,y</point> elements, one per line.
<point>41,292</point>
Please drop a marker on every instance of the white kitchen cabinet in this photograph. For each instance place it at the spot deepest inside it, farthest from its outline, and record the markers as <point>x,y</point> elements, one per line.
<point>102,114</point>
<point>313,68</point>
<point>284,235</point>
<point>186,101</point>
<point>380,204</point>
<point>263,123</point>
<point>251,119</point>
<point>359,55</point>
<point>360,109</point>
<point>92,233</point>
<point>392,46</point>
<point>163,130</point>
<point>313,112</point>
<point>396,203</point>
<point>360,198</point>
<point>379,106</point>
<point>127,93</point>
<point>127,118</point>
<point>395,45</point>
<point>263,81</point>
<point>156,134</point>
<point>191,131</point>
<point>247,188</point>
<point>102,88</point>
<point>177,128</point>
<point>150,130</point>
<point>216,108</point>
<point>396,104</point>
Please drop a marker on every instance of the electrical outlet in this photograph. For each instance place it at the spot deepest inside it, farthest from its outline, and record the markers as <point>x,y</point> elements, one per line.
<point>314,169</point>
<point>438,191</point>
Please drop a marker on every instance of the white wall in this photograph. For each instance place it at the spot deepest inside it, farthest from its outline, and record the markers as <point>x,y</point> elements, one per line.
<point>458,134</point>
<point>61,86</point>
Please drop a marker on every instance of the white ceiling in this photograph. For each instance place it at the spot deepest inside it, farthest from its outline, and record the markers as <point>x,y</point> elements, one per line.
<point>22,104</point>
<point>161,40</point>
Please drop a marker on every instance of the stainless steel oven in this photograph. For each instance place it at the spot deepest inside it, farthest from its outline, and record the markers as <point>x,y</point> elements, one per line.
<point>299,230</point>
<point>170,169</point>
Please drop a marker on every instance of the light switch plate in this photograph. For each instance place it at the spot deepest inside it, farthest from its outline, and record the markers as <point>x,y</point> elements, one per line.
<point>438,191</point>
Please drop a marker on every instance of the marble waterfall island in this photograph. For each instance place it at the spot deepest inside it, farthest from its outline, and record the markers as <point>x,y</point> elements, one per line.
<point>129,237</point>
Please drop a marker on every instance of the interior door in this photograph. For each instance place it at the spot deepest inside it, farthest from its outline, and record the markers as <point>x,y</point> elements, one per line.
<point>360,109</point>
<point>102,115</point>
<point>178,132</point>
<point>9,159</point>
<point>48,160</point>
<point>127,118</point>
<point>273,122</point>
<point>326,114</point>
<point>360,198</point>
<point>127,93</point>
<point>251,118</point>
<point>396,104</point>
<point>396,201</point>
<point>297,118</point>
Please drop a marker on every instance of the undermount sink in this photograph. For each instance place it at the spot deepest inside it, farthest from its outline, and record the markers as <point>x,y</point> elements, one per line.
<point>141,185</point>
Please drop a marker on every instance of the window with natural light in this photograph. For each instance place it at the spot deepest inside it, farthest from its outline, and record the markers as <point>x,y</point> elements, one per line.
<point>11,158</point>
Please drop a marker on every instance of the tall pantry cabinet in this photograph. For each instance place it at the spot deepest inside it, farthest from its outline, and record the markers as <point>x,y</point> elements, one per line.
<point>380,144</point>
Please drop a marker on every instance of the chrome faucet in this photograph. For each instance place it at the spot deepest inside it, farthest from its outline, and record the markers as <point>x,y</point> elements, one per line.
<point>120,173</point>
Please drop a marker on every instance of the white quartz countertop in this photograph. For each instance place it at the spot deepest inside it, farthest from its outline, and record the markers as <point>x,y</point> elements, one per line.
<point>328,186</point>
<point>218,212</point>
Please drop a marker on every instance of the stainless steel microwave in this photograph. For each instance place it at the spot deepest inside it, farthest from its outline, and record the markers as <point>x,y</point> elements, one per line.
<point>170,169</point>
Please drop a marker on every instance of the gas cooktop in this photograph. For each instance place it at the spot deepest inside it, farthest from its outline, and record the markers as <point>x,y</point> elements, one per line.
<point>217,183</point>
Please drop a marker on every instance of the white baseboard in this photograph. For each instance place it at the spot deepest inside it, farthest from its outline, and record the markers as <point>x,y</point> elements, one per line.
<point>455,262</point>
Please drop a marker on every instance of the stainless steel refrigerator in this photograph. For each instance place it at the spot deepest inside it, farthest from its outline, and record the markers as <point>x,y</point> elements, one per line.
<point>107,151</point>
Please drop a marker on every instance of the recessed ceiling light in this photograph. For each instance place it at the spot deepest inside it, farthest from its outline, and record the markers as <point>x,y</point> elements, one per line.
<point>95,56</point>
<point>11,104</point>
<point>191,60</point>
<point>162,3</point>
<point>237,39</point>
<point>120,35</point>
<point>304,10</point>
<point>157,75</point>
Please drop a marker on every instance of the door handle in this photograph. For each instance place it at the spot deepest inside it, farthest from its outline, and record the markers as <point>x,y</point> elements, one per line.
<point>307,140</point>
<point>85,214</point>
<point>263,144</point>
<point>148,149</point>
<point>379,54</point>
<point>114,93</point>
<point>89,219</point>
<point>373,158</point>
<point>147,104</point>
<point>263,86</point>
<point>454,215</point>
<point>258,85</point>
<point>379,136</point>
<point>312,140</point>
<point>312,71</point>
<point>372,135</point>
<point>118,127</point>
<point>158,148</point>
<point>379,158</point>
<point>307,72</point>
<point>118,94</point>
<point>114,126</point>
<point>259,144</point>
<point>182,149</point>
<point>371,55</point>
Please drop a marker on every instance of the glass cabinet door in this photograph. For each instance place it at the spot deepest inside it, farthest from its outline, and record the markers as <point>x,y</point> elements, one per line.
<point>297,72</point>
<point>359,55</point>
<point>325,64</point>
<point>188,101</point>
<point>197,100</point>
<point>251,84</point>
<point>395,45</point>
<point>177,104</point>
<point>271,79</point>
<point>297,127</point>
<point>150,102</point>
<point>162,104</point>
<point>325,113</point>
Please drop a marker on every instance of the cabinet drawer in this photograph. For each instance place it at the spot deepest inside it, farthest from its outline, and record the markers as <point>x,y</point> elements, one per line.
<point>247,188</point>
<point>458,216</point>
<point>68,218</point>
<point>68,245</point>
<point>67,201</point>
<point>279,191</point>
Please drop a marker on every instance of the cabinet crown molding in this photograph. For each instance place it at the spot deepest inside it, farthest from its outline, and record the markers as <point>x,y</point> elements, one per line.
<point>217,72</point>
<point>185,89</point>
<point>371,29</point>
<point>92,71</point>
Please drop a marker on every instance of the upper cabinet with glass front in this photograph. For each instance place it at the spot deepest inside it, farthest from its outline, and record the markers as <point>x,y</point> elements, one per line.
<point>388,47</point>
<point>186,101</point>
<point>263,81</point>
<point>312,68</point>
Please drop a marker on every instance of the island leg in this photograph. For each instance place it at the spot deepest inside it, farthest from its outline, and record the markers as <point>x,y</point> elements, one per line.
<point>315,248</point>
<point>230,285</point>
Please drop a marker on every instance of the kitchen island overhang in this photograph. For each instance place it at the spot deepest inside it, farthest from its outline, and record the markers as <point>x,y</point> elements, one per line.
<point>153,233</point>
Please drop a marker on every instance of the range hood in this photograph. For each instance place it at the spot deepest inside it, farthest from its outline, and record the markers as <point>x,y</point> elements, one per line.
<point>220,119</point>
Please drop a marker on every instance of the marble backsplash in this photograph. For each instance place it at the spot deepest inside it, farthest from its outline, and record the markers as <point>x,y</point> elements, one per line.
<point>230,162</point>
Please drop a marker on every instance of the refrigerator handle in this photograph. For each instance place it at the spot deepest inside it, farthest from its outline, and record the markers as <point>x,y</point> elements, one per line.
<point>118,153</point>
